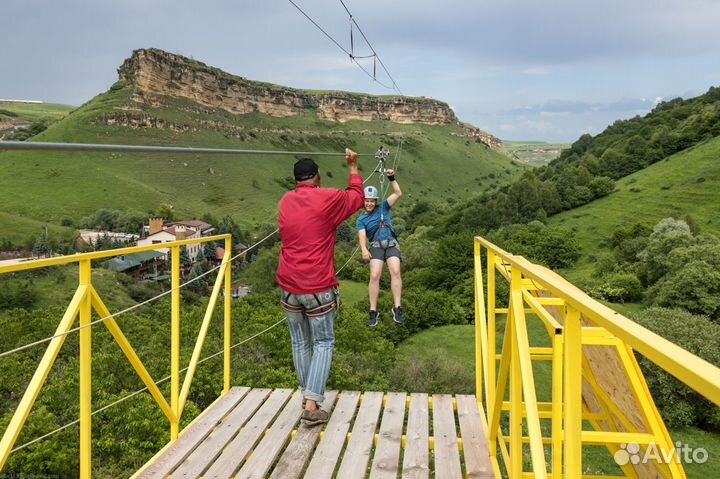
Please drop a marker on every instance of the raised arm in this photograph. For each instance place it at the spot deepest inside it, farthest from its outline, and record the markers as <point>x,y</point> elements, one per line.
<point>397,192</point>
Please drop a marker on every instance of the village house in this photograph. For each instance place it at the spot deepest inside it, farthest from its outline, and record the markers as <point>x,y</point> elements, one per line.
<point>159,232</point>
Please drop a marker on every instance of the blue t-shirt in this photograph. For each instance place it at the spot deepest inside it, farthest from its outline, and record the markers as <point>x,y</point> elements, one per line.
<point>370,222</point>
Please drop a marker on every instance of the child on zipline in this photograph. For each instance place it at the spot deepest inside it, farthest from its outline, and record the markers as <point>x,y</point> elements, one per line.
<point>374,226</point>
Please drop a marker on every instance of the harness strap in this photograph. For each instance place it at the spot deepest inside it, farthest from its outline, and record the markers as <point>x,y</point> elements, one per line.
<point>320,310</point>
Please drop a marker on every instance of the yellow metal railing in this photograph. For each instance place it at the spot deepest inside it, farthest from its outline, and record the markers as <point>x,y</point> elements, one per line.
<point>85,300</point>
<point>595,376</point>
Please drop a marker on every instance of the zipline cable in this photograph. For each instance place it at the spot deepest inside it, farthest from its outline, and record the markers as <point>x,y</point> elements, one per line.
<point>377,57</point>
<point>49,146</point>
<point>349,54</point>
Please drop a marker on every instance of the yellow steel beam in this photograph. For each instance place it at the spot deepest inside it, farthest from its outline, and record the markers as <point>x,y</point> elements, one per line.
<point>132,356</point>
<point>86,373</point>
<point>499,389</point>
<point>201,337</point>
<point>557,405</point>
<point>490,345</point>
<point>603,438</point>
<point>40,376</point>
<point>572,393</point>
<point>516,389</point>
<point>175,340</point>
<point>227,331</point>
<point>58,260</point>
<point>481,339</point>
<point>538,308</point>
<point>528,390</point>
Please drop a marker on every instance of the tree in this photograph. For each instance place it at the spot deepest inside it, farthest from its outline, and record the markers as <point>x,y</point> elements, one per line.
<point>165,211</point>
<point>679,405</point>
<point>695,287</point>
<point>42,245</point>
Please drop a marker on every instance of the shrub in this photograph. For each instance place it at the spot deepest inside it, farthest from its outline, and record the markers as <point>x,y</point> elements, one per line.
<point>695,287</point>
<point>620,287</point>
<point>679,405</point>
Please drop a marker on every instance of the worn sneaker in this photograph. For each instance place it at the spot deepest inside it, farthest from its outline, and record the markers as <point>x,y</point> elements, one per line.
<point>398,315</point>
<point>313,418</point>
<point>373,319</point>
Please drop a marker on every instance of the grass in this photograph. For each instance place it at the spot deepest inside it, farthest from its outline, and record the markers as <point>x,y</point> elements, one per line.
<point>457,343</point>
<point>435,163</point>
<point>687,183</point>
<point>29,112</point>
<point>352,292</point>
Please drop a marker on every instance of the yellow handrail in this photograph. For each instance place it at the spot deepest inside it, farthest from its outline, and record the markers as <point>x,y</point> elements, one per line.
<point>85,299</point>
<point>591,345</point>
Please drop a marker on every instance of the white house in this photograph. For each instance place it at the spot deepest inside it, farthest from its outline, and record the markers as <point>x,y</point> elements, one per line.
<point>159,233</point>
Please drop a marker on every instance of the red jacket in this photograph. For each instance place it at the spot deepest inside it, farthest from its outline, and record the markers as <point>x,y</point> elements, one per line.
<point>308,219</point>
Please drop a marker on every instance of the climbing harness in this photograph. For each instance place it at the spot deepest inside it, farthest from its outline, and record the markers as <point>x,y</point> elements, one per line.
<point>317,311</point>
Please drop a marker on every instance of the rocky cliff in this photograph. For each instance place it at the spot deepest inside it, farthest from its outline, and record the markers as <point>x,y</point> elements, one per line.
<point>155,74</point>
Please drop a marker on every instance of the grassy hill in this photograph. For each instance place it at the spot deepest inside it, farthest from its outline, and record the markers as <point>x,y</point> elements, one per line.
<point>687,183</point>
<point>436,162</point>
<point>17,113</point>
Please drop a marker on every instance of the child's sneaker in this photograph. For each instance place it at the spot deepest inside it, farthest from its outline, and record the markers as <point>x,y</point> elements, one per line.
<point>373,319</point>
<point>398,315</point>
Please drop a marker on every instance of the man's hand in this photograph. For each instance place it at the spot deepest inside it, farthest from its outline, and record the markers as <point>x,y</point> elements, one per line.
<point>389,172</point>
<point>366,256</point>
<point>350,157</point>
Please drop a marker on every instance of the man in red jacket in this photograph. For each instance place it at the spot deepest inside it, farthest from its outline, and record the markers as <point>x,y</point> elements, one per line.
<point>308,220</point>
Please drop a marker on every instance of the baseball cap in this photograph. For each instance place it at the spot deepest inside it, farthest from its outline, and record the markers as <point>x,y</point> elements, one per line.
<point>305,168</point>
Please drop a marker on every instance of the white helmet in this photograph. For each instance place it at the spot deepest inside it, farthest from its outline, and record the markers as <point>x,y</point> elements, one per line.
<point>371,193</point>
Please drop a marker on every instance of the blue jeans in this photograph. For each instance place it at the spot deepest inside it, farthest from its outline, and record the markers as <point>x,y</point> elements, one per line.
<point>313,340</point>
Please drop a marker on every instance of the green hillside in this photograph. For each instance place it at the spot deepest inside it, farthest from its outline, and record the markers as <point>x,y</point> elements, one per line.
<point>15,113</point>
<point>687,183</point>
<point>436,162</point>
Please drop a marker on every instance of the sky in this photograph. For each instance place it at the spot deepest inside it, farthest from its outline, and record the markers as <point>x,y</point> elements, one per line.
<point>519,69</point>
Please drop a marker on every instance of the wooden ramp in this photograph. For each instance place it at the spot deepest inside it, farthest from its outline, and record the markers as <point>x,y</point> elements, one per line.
<point>256,433</point>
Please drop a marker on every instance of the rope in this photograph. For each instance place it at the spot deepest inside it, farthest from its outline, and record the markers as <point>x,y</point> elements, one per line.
<point>165,293</point>
<point>166,378</point>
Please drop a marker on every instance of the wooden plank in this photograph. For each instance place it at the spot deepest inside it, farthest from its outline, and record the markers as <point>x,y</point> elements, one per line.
<point>355,460</point>
<point>475,445</point>
<point>301,446</point>
<point>447,454</point>
<point>189,440</point>
<point>416,460</point>
<point>204,455</point>
<point>387,452</point>
<point>234,454</point>
<point>275,439</point>
<point>328,451</point>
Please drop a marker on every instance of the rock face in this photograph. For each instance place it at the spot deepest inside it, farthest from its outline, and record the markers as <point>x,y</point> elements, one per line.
<point>156,74</point>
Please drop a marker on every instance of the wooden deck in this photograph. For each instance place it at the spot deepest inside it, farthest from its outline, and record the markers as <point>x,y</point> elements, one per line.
<point>255,433</point>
